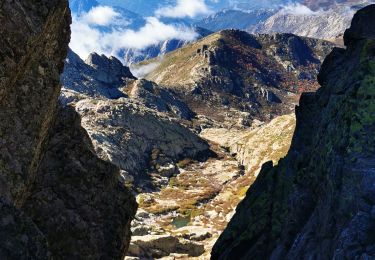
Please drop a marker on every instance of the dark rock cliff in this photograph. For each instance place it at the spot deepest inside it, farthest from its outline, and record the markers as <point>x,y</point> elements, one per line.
<point>79,201</point>
<point>34,39</point>
<point>57,199</point>
<point>319,202</point>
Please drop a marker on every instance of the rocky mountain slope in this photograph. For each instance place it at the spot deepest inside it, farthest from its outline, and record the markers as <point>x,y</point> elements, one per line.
<point>234,19</point>
<point>242,75</point>
<point>58,199</point>
<point>328,24</point>
<point>252,147</point>
<point>132,123</point>
<point>318,202</point>
<point>326,4</point>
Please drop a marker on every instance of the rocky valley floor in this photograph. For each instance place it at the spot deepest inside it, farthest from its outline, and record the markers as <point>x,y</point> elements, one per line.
<point>185,218</point>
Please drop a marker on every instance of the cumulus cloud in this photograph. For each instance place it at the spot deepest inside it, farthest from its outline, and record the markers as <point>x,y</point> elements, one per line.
<point>88,36</point>
<point>153,32</point>
<point>298,9</point>
<point>184,8</point>
<point>85,39</point>
<point>100,15</point>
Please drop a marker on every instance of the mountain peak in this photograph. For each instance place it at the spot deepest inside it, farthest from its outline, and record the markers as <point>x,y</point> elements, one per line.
<point>245,72</point>
<point>110,69</point>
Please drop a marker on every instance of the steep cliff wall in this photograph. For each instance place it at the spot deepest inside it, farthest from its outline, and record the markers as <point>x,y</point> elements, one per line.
<point>79,201</point>
<point>319,202</point>
<point>57,199</point>
<point>34,39</point>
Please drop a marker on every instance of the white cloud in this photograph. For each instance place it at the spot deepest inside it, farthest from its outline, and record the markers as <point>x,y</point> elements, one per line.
<point>100,15</point>
<point>142,71</point>
<point>87,37</point>
<point>153,32</point>
<point>298,9</point>
<point>184,8</point>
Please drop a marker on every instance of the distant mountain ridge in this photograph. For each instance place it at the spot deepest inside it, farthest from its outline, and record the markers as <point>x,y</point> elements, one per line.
<point>132,56</point>
<point>234,19</point>
<point>326,4</point>
<point>324,19</point>
<point>328,24</point>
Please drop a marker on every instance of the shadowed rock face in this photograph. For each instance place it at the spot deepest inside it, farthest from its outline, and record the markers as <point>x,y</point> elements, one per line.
<point>79,201</point>
<point>319,201</point>
<point>111,69</point>
<point>57,199</point>
<point>33,45</point>
<point>98,76</point>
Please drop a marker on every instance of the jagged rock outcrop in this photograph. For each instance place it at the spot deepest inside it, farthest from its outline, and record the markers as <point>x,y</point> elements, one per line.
<point>98,76</point>
<point>57,198</point>
<point>20,237</point>
<point>109,71</point>
<point>103,77</point>
<point>319,201</point>
<point>252,148</point>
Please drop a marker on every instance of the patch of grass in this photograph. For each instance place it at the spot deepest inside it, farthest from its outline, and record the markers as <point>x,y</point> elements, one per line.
<point>184,163</point>
<point>242,191</point>
<point>160,210</point>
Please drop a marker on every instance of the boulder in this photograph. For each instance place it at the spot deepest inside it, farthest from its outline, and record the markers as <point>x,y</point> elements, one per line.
<point>163,245</point>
